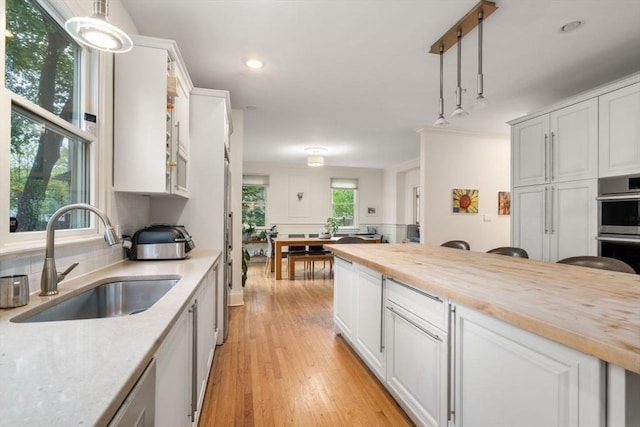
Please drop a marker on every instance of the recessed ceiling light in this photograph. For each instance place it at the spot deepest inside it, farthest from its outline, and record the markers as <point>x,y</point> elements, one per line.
<point>571,26</point>
<point>254,63</point>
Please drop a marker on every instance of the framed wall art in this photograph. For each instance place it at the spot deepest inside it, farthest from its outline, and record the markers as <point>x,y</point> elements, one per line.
<point>465,200</point>
<point>504,203</point>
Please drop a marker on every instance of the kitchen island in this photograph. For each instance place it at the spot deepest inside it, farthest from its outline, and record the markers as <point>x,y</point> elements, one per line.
<point>502,305</point>
<point>79,372</point>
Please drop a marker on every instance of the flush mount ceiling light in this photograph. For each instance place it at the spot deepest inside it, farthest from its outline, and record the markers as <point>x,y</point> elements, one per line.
<point>475,17</point>
<point>254,63</point>
<point>96,31</point>
<point>571,26</point>
<point>315,159</point>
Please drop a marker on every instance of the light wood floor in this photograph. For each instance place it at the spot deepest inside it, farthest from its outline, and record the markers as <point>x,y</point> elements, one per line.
<point>283,365</point>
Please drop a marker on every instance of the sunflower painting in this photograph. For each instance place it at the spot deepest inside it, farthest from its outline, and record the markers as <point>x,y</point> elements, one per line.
<point>465,201</point>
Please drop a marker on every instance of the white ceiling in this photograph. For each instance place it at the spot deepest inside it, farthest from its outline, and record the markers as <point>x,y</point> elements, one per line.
<point>355,76</point>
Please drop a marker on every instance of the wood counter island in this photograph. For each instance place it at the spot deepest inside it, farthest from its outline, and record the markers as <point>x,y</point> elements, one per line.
<point>594,312</point>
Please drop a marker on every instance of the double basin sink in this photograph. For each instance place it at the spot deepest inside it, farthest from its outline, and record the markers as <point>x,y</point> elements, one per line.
<point>105,298</point>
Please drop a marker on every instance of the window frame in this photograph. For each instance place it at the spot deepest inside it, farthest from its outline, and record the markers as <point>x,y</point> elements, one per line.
<point>346,184</point>
<point>265,188</point>
<point>90,82</point>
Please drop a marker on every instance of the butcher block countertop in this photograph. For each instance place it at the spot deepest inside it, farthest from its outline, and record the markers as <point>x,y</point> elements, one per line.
<point>593,311</point>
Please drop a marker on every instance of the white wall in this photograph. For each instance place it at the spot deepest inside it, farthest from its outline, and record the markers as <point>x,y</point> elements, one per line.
<point>398,183</point>
<point>451,159</point>
<point>310,214</point>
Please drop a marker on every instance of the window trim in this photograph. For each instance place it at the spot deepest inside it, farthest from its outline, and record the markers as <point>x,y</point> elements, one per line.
<point>93,74</point>
<point>266,197</point>
<point>347,184</point>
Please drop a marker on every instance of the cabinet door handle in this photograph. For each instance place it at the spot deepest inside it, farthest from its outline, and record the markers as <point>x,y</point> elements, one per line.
<point>178,132</point>
<point>194,359</point>
<point>545,210</point>
<point>546,157</point>
<point>551,211</point>
<point>343,259</point>
<point>433,297</point>
<point>406,319</point>
<point>382,280</point>
<point>553,137</point>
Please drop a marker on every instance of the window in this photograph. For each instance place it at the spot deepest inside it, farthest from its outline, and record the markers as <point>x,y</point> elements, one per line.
<point>344,201</point>
<point>254,200</point>
<point>50,155</point>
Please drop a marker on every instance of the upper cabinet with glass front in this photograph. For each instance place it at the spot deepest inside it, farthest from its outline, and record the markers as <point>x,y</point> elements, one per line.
<point>151,119</point>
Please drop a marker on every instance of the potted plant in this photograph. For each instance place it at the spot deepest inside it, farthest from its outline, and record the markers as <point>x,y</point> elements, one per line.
<point>331,227</point>
<point>245,259</point>
<point>247,231</point>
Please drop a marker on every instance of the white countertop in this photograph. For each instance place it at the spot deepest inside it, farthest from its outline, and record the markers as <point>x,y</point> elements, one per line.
<point>78,372</point>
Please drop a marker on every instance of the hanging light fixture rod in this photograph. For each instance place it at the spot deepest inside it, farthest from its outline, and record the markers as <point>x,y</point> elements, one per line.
<point>465,25</point>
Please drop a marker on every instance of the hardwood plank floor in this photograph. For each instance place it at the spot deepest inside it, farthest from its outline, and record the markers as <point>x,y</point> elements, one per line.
<point>283,365</point>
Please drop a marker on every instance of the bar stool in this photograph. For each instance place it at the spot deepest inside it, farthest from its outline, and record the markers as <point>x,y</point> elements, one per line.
<point>600,262</point>
<point>457,244</point>
<point>509,251</point>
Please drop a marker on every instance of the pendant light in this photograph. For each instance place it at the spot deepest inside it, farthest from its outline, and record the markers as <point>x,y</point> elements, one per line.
<point>459,112</point>
<point>441,120</point>
<point>96,31</point>
<point>481,102</point>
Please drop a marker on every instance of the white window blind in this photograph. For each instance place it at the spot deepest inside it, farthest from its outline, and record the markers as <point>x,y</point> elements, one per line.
<point>344,183</point>
<point>255,180</point>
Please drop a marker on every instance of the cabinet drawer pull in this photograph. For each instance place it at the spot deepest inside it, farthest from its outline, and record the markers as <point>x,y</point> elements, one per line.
<point>343,259</point>
<point>406,319</point>
<point>433,297</point>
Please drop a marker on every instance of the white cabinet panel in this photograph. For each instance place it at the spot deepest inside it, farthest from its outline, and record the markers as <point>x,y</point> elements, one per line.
<point>343,296</point>
<point>151,123</point>
<point>417,366</point>
<point>368,313</point>
<point>173,376</point>
<point>574,224</point>
<point>508,377</point>
<point>556,147</point>
<point>552,222</point>
<point>619,140</point>
<point>530,151</point>
<point>574,142</point>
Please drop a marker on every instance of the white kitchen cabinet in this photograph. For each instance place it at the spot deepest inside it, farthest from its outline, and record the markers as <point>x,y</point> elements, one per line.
<point>417,354</point>
<point>552,222</point>
<point>151,119</point>
<point>184,359</point>
<point>368,310</point>
<point>205,334</point>
<point>506,376</point>
<point>173,375</point>
<point>557,147</point>
<point>619,131</point>
<point>343,296</point>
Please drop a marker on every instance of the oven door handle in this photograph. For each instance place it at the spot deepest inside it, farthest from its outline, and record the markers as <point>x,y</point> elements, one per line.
<point>631,196</point>
<point>618,239</point>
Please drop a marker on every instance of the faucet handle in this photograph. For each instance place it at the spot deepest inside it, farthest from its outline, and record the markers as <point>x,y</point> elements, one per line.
<point>62,275</point>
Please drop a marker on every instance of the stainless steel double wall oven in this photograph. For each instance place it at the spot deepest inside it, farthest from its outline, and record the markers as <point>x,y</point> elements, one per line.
<point>619,218</point>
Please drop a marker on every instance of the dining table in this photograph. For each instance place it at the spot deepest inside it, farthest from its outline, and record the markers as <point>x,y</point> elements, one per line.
<point>280,242</point>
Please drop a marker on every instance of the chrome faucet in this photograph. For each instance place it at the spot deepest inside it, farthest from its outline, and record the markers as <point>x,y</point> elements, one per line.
<point>50,276</point>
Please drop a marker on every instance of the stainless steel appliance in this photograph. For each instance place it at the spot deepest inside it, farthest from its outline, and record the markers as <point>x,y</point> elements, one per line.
<point>161,242</point>
<point>14,291</point>
<point>228,246</point>
<point>619,218</point>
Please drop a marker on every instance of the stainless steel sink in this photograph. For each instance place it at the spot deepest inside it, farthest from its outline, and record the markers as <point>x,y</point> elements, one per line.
<point>110,299</point>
